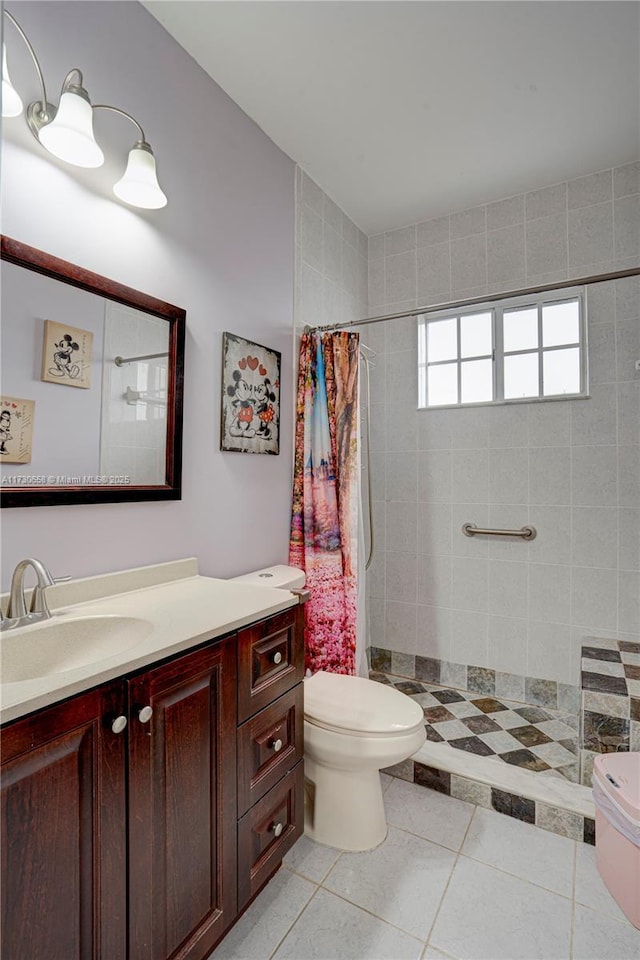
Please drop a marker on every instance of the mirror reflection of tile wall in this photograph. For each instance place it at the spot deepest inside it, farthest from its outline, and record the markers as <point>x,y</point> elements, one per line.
<point>134,397</point>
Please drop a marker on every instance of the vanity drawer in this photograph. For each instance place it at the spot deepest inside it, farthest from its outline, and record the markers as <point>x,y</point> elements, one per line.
<point>270,660</point>
<point>268,745</point>
<point>267,831</point>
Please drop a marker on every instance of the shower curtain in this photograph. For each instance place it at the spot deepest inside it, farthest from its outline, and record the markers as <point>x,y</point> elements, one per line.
<point>324,521</point>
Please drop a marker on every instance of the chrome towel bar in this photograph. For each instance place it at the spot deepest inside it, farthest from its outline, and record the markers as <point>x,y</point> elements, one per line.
<point>527,533</point>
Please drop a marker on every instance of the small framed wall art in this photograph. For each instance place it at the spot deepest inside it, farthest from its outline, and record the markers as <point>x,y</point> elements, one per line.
<point>250,420</point>
<point>66,355</point>
<point>16,429</point>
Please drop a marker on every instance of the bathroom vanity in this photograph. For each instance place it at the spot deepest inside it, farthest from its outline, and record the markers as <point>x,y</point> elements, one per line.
<point>142,814</point>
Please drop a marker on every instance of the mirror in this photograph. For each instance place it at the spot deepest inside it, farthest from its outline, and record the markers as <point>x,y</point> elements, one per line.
<point>92,383</point>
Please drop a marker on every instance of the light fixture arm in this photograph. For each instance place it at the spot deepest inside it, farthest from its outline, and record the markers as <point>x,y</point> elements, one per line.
<point>44,105</point>
<point>123,113</point>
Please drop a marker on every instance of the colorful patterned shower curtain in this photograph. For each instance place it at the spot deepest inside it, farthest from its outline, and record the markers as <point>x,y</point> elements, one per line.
<point>324,521</point>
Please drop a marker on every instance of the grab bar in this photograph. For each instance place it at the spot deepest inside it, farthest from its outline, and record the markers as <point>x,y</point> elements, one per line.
<point>527,533</point>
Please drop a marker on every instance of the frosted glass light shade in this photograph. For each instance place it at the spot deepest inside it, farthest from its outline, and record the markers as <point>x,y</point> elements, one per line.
<point>139,186</point>
<point>11,102</point>
<point>69,136</point>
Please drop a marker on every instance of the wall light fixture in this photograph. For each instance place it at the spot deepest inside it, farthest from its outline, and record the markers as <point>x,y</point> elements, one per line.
<point>66,131</point>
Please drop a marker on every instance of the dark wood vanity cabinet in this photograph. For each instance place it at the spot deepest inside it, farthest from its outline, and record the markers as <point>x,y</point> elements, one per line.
<point>181,803</point>
<point>64,832</point>
<point>145,844</point>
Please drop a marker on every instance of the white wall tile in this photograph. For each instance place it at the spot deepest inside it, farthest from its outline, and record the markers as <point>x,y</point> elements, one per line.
<point>312,238</point>
<point>399,241</point>
<point>399,425</point>
<point>505,213</point>
<point>505,255</point>
<point>549,592</point>
<point>332,214</point>
<point>469,638</point>
<point>601,301</point>
<point>549,651</point>
<point>434,475</point>
<point>595,537</point>
<point>434,274</point>
<point>546,244</point>
<point>402,476</point>
<point>550,475</point>
<point>434,581</point>
<point>401,526</point>
<point>400,276</point>
<point>594,476</point>
<point>627,220</point>
<point>401,377</point>
<point>509,426</point>
<point>628,349</point>
<point>509,475</point>
<point>595,188</point>
<point>470,476</point>
<point>629,538</point>
<point>553,542</point>
<point>433,632</point>
<point>434,528</point>
<point>508,588</point>
<point>507,641</point>
<point>434,429</point>
<point>401,577</point>
<point>376,247</point>
<point>510,517</point>
<point>433,231</point>
<point>593,598</point>
<point>629,601</point>
<point>469,578</point>
<point>376,282</point>
<point>626,180</point>
<point>629,475</point>
<point>470,428</point>
<point>594,420</point>
<point>467,222</point>
<point>590,235</point>
<point>602,353</point>
<point>400,627</point>
<point>468,262</point>
<point>312,195</point>
<point>546,202</point>
<point>549,423</point>
<point>332,254</point>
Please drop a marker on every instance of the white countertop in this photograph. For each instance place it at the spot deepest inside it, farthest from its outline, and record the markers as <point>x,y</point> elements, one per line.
<point>183,608</point>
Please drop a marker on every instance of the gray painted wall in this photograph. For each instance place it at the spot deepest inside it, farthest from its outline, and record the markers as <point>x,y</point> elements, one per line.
<point>223,249</point>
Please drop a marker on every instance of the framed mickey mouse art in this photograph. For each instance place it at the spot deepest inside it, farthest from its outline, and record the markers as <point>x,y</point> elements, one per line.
<point>250,420</point>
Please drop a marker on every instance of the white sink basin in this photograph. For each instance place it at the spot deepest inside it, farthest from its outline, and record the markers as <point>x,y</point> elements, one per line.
<point>60,644</point>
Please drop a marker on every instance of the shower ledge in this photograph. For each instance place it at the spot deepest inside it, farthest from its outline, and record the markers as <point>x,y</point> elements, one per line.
<point>534,786</point>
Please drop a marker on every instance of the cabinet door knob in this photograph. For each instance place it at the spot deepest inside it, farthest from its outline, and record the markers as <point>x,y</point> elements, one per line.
<point>145,714</point>
<point>276,746</point>
<point>277,657</point>
<point>119,724</point>
<point>277,828</point>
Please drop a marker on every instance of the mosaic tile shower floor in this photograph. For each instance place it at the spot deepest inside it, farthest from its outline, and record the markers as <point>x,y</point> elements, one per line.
<point>542,740</point>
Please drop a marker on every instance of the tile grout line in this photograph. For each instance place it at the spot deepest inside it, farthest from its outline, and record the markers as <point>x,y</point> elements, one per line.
<point>455,863</point>
<point>289,929</point>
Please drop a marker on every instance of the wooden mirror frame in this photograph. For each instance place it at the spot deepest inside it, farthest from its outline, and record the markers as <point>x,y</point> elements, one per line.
<point>43,496</point>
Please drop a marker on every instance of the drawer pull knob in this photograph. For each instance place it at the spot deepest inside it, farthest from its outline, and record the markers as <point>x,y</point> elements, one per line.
<point>277,828</point>
<point>276,746</point>
<point>119,724</point>
<point>145,714</point>
<point>277,657</point>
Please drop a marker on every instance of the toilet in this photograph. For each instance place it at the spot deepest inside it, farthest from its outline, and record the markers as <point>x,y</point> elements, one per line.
<point>353,728</point>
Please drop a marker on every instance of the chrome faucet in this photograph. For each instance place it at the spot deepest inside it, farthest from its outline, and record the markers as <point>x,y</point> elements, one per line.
<point>17,615</point>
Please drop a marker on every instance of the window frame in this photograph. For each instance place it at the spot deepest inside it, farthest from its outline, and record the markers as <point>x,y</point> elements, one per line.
<point>497,308</point>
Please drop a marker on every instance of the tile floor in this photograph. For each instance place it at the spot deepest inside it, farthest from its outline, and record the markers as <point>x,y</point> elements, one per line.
<point>542,740</point>
<point>451,880</point>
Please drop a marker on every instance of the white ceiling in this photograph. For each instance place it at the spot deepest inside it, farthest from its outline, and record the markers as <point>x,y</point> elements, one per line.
<point>402,111</point>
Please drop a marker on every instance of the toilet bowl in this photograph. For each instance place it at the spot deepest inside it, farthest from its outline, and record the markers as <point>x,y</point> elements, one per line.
<point>353,728</point>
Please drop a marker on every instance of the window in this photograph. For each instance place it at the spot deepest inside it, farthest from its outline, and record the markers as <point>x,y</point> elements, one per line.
<point>525,348</point>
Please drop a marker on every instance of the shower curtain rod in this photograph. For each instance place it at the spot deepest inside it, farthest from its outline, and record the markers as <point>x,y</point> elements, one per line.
<point>487,298</point>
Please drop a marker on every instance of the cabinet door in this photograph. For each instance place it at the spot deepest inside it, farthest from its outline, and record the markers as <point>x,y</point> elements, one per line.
<point>182,803</point>
<point>64,831</point>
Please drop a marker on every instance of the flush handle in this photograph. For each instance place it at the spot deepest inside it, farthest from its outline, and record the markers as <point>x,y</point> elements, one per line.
<point>277,657</point>
<point>119,724</point>
<point>145,714</point>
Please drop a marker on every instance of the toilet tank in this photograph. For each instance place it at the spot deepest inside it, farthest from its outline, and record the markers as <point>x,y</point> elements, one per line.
<point>279,576</point>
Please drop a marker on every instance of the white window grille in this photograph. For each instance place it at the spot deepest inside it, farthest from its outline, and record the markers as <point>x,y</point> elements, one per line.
<point>524,348</point>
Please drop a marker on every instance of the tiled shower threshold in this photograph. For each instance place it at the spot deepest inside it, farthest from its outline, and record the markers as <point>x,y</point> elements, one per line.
<point>551,802</point>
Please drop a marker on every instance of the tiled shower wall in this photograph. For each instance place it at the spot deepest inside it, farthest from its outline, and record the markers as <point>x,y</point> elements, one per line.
<point>571,468</point>
<point>331,260</point>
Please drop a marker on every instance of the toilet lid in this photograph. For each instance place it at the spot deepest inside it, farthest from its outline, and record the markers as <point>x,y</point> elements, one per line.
<point>360,705</point>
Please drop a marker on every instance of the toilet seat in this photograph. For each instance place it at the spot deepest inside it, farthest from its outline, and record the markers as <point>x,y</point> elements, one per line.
<point>359,707</point>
